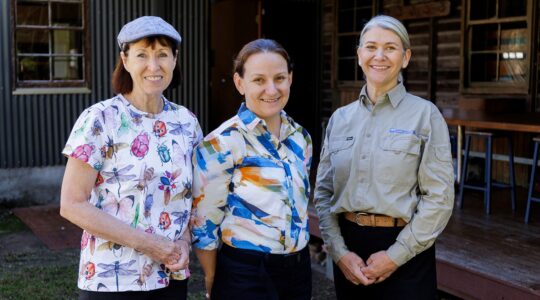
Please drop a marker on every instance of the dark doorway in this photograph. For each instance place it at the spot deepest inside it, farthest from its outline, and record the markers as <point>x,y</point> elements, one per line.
<point>233,24</point>
<point>302,41</point>
<point>236,22</point>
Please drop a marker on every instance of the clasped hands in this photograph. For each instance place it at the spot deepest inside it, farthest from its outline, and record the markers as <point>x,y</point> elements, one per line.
<point>376,269</point>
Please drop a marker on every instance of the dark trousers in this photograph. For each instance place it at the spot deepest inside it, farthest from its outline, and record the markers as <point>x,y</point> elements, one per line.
<point>177,290</point>
<point>253,275</point>
<point>416,279</point>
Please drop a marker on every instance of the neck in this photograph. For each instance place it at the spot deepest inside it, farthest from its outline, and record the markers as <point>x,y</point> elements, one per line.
<point>374,91</point>
<point>147,103</point>
<point>274,125</point>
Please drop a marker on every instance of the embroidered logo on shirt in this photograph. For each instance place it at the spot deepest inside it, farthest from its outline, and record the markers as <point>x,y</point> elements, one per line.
<point>401,131</point>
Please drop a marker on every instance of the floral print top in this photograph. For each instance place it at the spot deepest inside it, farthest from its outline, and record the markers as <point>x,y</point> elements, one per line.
<point>250,189</point>
<point>144,179</point>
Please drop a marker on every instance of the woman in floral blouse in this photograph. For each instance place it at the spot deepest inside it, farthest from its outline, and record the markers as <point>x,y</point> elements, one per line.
<point>251,188</point>
<point>128,177</point>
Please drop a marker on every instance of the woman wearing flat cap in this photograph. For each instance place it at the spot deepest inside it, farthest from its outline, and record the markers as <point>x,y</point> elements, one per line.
<point>385,187</point>
<point>128,177</point>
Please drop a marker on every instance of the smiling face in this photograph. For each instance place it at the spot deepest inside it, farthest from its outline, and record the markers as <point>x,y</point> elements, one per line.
<point>150,67</point>
<point>266,84</point>
<point>381,57</point>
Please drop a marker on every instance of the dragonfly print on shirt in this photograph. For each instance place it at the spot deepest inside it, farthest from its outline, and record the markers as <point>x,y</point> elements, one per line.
<point>116,269</point>
<point>118,176</point>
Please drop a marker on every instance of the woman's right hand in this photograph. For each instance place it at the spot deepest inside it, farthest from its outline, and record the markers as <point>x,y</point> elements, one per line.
<point>161,249</point>
<point>350,265</point>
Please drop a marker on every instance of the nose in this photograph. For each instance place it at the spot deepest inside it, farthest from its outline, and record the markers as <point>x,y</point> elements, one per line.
<point>153,64</point>
<point>271,88</point>
<point>379,53</point>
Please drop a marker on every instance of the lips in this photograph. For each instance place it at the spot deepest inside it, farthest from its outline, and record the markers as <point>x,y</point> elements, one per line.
<point>270,100</point>
<point>380,67</point>
<point>153,78</point>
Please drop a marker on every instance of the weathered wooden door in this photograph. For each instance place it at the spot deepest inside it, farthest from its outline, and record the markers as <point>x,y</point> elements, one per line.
<point>233,24</point>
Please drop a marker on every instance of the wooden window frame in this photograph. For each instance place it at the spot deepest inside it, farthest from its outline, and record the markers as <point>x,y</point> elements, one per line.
<point>48,86</point>
<point>358,81</point>
<point>496,87</point>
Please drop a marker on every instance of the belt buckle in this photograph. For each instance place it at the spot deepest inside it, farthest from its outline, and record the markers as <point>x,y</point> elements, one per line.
<point>357,218</point>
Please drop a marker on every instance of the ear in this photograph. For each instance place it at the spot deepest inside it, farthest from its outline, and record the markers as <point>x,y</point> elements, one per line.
<point>290,78</point>
<point>239,83</point>
<point>175,57</point>
<point>358,54</point>
<point>124,60</point>
<point>406,58</point>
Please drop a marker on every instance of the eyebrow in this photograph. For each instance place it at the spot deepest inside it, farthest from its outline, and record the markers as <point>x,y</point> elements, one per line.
<point>387,43</point>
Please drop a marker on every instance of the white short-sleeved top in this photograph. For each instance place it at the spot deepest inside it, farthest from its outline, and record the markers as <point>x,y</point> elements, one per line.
<point>144,179</point>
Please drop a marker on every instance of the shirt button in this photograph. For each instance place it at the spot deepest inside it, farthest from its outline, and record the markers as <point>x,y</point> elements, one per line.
<point>368,135</point>
<point>363,157</point>
<point>361,180</point>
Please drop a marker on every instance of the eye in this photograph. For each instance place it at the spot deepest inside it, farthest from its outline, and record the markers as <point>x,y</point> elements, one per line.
<point>258,80</point>
<point>141,55</point>
<point>371,47</point>
<point>163,54</point>
<point>390,48</point>
<point>280,78</point>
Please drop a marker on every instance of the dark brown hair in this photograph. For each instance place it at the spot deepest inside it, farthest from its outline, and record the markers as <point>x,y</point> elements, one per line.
<point>258,46</point>
<point>121,79</point>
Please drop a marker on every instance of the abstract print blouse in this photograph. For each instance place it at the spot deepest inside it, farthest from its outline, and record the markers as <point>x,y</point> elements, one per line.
<point>251,190</point>
<point>144,180</point>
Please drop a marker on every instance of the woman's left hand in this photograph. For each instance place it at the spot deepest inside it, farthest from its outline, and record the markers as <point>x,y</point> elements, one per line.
<point>183,261</point>
<point>379,266</point>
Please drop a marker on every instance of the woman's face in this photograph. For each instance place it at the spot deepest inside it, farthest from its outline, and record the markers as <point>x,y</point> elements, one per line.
<point>150,66</point>
<point>381,57</point>
<point>266,84</point>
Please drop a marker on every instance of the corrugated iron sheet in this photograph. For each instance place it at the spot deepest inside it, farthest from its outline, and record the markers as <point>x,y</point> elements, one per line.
<point>34,128</point>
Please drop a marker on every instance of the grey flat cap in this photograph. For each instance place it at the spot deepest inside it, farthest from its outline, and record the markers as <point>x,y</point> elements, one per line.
<point>146,26</point>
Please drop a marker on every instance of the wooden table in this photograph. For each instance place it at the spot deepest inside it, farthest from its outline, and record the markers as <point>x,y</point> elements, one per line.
<point>520,122</point>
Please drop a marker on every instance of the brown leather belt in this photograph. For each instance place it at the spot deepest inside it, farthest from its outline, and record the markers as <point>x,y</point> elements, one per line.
<point>374,220</point>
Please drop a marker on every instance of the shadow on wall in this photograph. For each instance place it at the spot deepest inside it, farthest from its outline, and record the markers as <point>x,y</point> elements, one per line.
<point>30,186</point>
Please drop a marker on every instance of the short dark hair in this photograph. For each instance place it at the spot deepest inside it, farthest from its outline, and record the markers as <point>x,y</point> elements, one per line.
<point>258,46</point>
<point>121,79</point>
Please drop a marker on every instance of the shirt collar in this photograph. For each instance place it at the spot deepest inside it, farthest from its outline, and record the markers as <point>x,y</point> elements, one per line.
<point>395,95</point>
<point>251,120</point>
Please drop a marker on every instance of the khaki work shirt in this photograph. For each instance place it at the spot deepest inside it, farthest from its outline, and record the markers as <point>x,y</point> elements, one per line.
<point>391,158</point>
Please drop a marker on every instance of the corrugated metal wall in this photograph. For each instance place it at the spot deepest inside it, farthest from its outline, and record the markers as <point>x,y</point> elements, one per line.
<point>34,128</point>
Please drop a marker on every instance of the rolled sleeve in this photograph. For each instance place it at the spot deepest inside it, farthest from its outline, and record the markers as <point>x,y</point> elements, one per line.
<point>436,184</point>
<point>323,198</point>
<point>212,173</point>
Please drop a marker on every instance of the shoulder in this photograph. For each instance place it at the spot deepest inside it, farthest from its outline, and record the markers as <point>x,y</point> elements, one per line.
<point>424,105</point>
<point>180,111</point>
<point>299,129</point>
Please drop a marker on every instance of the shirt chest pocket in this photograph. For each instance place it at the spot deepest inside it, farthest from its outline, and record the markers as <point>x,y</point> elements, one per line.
<point>398,159</point>
<point>340,149</point>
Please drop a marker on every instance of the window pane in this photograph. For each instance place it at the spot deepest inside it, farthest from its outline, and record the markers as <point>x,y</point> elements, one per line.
<point>514,36</point>
<point>67,41</point>
<point>362,17</point>
<point>32,13</point>
<point>32,41</point>
<point>347,45</point>
<point>346,69</point>
<point>483,67</point>
<point>66,14</point>
<point>346,20</point>
<point>33,68</point>
<point>67,68</point>
<point>482,9</point>
<point>484,37</point>
<point>513,67</point>
<point>512,8</point>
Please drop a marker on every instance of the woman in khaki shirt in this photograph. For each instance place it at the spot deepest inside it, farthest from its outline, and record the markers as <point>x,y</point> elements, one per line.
<point>384,187</point>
